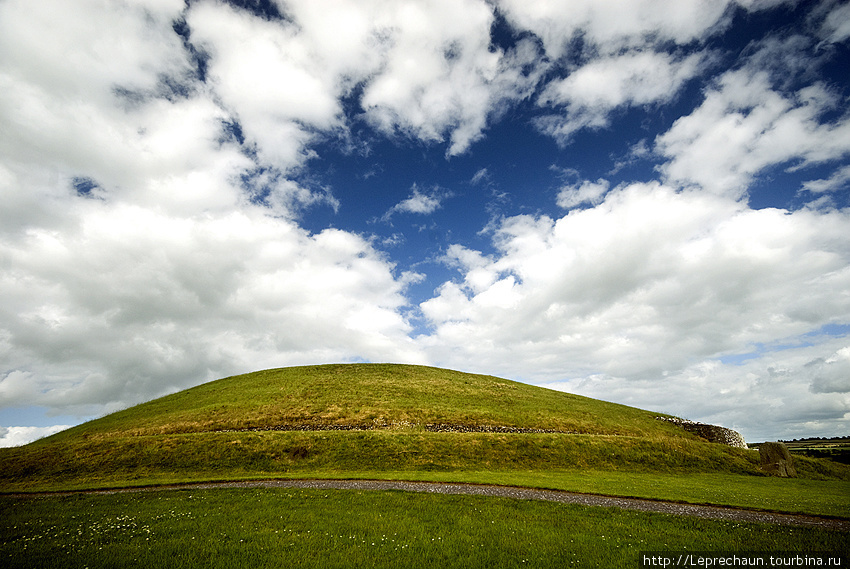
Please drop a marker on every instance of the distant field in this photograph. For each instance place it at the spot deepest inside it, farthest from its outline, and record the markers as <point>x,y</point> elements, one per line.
<point>837,449</point>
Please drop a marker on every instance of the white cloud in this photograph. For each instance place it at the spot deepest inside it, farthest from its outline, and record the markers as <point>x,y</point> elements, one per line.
<point>590,93</point>
<point>839,180</point>
<point>133,303</point>
<point>831,374</point>
<point>99,45</point>
<point>482,175</point>
<point>836,25</point>
<point>770,396</point>
<point>63,94</point>
<point>623,47</point>
<point>426,69</point>
<point>745,125</point>
<point>17,436</point>
<point>641,298</point>
<point>439,78</point>
<point>585,192</point>
<point>642,285</point>
<point>266,73</point>
<point>612,25</point>
<point>419,202</point>
<point>631,78</point>
<point>167,274</point>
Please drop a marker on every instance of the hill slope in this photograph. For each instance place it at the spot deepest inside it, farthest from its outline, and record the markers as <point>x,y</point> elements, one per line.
<point>371,396</point>
<point>364,420</point>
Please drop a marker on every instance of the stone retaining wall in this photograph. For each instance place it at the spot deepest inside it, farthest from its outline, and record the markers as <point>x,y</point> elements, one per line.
<point>711,433</point>
<point>430,427</point>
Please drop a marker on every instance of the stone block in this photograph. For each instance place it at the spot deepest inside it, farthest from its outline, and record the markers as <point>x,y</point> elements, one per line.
<point>776,460</point>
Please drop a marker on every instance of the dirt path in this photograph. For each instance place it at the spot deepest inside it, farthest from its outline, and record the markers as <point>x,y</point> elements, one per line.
<point>657,506</point>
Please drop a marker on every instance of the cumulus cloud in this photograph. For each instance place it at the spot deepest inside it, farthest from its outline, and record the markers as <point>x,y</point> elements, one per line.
<point>640,286</point>
<point>439,76</point>
<point>589,94</point>
<point>618,54</point>
<point>100,106</point>
<point>771,394</point>
<point>426,69</point>
<point>831,374</point>
<point>748,122</point>
<point>265,72</point>
<point>584,192</point>
<point>422,203</point>
<point>648,298</point>
<point>149,238</point>
<point>632,78</point>
<point>839,180</point>
<point>613,25</point>
<point>133,303</point>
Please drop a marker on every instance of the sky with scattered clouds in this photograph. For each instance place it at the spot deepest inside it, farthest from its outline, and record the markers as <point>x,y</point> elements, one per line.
<point>640,201</point>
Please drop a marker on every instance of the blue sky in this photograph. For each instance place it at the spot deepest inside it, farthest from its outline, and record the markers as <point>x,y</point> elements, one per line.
<point>644,202</point>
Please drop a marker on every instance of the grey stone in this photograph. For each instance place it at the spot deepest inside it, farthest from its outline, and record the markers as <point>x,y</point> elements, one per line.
<point>776,460</point>
<point>711,433</point>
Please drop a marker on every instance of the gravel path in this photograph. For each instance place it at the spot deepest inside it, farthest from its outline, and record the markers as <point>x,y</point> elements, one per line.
<point>658,506</point>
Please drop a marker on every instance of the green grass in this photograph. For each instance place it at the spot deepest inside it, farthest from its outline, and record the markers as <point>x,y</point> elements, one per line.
<point>316,528</point>
<point>370,395</point>
<point>816,497</point>
<point>677,468</point>
<point>84,460</point>
<point>800,496</point>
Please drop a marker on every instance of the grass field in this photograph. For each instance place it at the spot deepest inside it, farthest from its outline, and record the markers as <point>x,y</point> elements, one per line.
<point>326,528</point>
<point>804,496</point>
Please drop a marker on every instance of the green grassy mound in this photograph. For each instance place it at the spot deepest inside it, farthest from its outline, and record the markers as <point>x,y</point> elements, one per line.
<point>400,397</point>
<point>368,419</point>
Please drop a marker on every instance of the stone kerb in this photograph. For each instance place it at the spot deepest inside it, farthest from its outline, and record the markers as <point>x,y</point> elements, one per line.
<point>711,433</point>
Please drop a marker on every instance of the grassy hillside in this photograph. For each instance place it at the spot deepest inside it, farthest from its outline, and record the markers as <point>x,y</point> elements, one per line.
<point>401,397</point>
<point>367,420</point>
